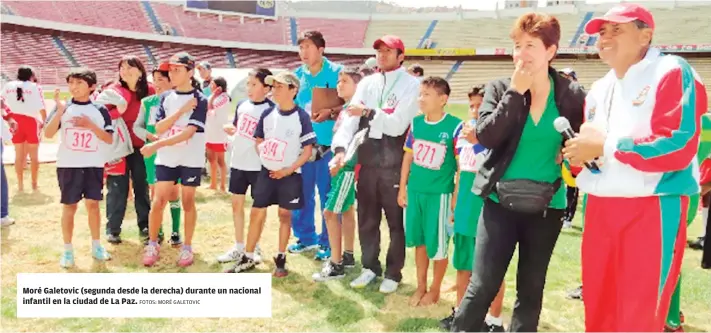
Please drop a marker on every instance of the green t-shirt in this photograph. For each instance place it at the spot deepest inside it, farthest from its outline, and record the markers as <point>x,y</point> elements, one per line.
<point>150,104</point>
<point>535,157</point>
<point>434,158</point>
<point>705,141</point>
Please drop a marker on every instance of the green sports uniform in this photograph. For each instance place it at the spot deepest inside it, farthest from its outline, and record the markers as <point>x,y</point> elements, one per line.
<point>467,209</point>
<point>150,106</point>
<point>431,183</point>
<point>341,197</point>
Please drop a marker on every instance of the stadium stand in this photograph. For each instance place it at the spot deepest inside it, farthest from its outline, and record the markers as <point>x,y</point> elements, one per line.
<point>409,31</point>
<point>338,33</point>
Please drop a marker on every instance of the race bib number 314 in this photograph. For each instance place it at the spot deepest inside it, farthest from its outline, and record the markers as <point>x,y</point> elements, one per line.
<point>80,139</point>
<point>429,155</point>
<point>273,150</point>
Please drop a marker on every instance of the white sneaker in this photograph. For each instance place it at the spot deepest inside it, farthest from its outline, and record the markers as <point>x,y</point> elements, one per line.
<point>388,286</point>
<point>567,224</point>
<point>233,254</point>
<point>7,221</point>
<point>257,255</point>
<point>365,278</point>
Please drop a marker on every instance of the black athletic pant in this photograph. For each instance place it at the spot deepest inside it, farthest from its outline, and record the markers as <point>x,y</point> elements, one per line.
<point>706,258</point>
<point>377,191</point>
<point>499,231</point>
<point>572,199</point>
<point>117,196</point>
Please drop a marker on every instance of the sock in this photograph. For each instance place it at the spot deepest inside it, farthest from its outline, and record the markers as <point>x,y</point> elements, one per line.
<point>491,320</point>
<point>95,243</point>
<point>239,246</point>
<point>175,215</point>
<point>188,248</point>
<point>153,243</point>
<point>281,254</point>
<point>349,252</point>
<point>68,247</point>
<point>249,255</point>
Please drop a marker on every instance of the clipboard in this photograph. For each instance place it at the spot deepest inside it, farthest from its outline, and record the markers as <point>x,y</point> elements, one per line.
<point>325,98</point>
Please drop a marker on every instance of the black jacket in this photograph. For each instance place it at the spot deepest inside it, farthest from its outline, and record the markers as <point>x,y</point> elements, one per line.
<point>502,117</point>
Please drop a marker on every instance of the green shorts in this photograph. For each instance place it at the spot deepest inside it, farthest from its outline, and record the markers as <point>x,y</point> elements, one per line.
<point>151,169</point>
<point>463,256</point>
<point>426,219</point>
<point>468,207</point>
<point>342,194</point>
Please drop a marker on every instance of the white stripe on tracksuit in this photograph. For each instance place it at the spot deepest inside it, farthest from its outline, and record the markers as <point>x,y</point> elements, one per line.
<point>346,182</point>
<point>445,200</point>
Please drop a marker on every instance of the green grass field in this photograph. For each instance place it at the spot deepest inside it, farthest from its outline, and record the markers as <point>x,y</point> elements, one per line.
<point>34,245</point>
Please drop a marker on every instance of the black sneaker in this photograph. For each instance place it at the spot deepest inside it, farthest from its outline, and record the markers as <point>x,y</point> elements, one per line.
<point>161,238</point>
<point>242,265</point>
<point>576,293</point>
<point>698,244</point>
<point>280,270</point>
<point>330,271</point>
<point>446,323</point>
<point>348,260</point>
<point>175,240</point>
<point>113,239</point>
<point>143,234</point>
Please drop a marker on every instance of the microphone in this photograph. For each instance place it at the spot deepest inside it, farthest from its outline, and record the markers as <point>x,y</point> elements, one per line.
<point>562,125</point>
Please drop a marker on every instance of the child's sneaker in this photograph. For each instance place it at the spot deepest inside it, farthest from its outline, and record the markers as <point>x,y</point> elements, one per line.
<point>388,286</point>
<point>243,264</point>
<point>175,240</point>
<point>151,255</point>
<point>348,260</point>
<point>99,253</point>
<point>233,254</point>
<point>300,247</point>
<point>323,254</point>
<point>365,278</point>
<point>7,221</point>
<point>330,271</point>
<point>185,258</point>
<point>67,259</point>
<point>280,270</point>
<point>446,323</point>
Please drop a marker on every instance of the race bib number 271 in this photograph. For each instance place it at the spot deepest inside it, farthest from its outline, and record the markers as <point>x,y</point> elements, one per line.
<point>429,155</point>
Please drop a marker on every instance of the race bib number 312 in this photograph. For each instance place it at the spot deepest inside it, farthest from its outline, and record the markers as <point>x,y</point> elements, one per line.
<point>429,155</point>
<point>176,130</point>
<point>80,139</point>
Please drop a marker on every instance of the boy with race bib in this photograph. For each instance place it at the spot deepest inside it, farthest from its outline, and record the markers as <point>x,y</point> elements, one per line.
<point>244,162</point>
<point>145,129</point>
<point>285,140</point>
<point>429,168</point>
<point>342,196</point>
<point>86,135</point>
<point>180,125</point>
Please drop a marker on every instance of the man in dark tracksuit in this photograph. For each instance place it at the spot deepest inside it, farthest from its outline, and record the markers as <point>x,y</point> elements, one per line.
<point>386,103</point>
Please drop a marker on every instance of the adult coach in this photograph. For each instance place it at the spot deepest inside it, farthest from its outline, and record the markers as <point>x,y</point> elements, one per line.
<point>644,124</point>
<point>316,71</point>
<point>386,102</point>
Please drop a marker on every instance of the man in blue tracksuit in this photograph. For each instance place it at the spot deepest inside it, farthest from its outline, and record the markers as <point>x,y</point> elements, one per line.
<point>316,71</point>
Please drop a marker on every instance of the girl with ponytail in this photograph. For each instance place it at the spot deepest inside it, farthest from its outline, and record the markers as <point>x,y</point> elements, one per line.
<point>24,100</point>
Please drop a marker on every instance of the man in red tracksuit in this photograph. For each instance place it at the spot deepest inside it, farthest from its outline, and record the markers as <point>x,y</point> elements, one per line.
<point>643,125</point>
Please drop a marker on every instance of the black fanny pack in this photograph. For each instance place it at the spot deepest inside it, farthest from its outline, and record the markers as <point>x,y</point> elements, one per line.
<point>525,195</point>
<point>319,152</point>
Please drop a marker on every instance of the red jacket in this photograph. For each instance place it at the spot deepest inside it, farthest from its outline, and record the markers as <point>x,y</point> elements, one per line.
<point>132,109</point>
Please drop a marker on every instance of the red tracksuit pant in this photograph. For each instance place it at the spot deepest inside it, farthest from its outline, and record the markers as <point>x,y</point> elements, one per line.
<point>631,257</point>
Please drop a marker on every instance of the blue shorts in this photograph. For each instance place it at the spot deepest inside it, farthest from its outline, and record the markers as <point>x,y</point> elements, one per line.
<point>186,176</point>
<point>80,183</point>
<point>241,180</point>
<point>286,192</point>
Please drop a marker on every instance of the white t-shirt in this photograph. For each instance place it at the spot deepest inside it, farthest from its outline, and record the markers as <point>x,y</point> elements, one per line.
<point>33,99</point>
<point>244,153</point>
<point>285,133</point>
<point>80,147</point>
<point>190,153</point>
<point>216,119</point>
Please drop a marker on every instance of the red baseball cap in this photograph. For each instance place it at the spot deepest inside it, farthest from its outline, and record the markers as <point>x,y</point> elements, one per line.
<point>391,41</point>
<point>622,13</point>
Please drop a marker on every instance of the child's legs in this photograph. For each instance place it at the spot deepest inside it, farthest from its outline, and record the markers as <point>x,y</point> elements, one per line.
<point>188,199</point>
<point>68,212</point>
<point>32,151</point>
<point>422,263</point>
<point>348,229</point>
<point>163,191</point>
<point>435,215</point>
<point>284,229</point>
<point>463,261</point>
<point>238,216</point>
<point>333,226</point>
<point>220,156</point>
<point>20,161</point>
<point>498,304</point>
<point>94,214</point>
<point>463,278</point>
<point>257,216</point>
<point>212,158</point>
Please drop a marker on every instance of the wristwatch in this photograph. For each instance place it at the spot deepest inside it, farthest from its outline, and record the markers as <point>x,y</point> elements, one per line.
<point>366,112</point>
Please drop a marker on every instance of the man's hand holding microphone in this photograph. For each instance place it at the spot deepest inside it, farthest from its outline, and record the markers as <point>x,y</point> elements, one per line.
<point>583,148</point>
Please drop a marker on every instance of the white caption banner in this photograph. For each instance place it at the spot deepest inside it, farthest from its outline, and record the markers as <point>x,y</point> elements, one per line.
<point>144,295</point>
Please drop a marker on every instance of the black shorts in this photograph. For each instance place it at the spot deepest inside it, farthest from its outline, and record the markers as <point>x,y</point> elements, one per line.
<point>80,183</point>
<point>240,180</point>
<point>187,176</point>
<point>285,192</point>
